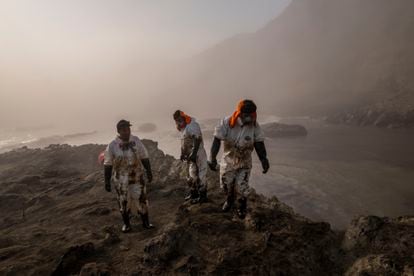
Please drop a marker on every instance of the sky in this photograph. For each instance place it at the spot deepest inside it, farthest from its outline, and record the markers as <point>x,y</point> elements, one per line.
<point>55,53</point>
<point>147,29</point>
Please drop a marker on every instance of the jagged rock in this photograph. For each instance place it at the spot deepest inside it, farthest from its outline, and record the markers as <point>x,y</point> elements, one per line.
<point>380,246</point>
<point>163,247</point>
<point>66,209</point>
<point>188,265</point>
<point>377,234</point>
<point>73,259</point>
<point>94,269</point>
<point>362,231</point>
<point>380,265</point>
<point>111,235</point>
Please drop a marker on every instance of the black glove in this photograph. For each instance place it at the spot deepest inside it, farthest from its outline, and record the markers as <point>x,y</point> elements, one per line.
<point>193,157</point>
<point>262,154</point>
<point>194,151</point>
<point>215,148</point>
<point>108,187</point>
<point>147,165</point>
<point>265,165</point>
<point>108,176</point>
<point>149,176</point>
<point>213,165</point>
<point>183,157</point>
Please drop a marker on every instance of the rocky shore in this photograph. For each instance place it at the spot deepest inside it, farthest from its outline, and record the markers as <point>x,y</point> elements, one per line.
<point>57,219</point>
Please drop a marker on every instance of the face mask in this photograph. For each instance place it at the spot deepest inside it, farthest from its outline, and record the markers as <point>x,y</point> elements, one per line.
<point>247,119</point>
<point>180,123</point>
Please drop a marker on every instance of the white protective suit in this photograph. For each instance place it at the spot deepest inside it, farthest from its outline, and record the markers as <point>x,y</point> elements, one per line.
<point>127,173</point>
<point>197,170</point>
<point>236,163</point>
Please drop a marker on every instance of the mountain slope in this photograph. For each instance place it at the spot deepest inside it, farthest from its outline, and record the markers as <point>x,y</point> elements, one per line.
<point>318,56</point>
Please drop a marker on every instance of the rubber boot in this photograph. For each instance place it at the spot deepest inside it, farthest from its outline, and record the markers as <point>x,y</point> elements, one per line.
<point>202,197</point>
<point>242,210</point>
<point>145,222</point>
<point>228,204</point>
<point>127,226</point>
<point>193,194</point>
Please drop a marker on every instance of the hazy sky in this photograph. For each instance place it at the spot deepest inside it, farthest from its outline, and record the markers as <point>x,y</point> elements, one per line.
<point>57,57</point>
<point>146,28</point>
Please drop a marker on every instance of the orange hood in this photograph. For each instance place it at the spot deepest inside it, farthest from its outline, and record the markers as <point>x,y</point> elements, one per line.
<point>186,117</point>
<point>237,113</point>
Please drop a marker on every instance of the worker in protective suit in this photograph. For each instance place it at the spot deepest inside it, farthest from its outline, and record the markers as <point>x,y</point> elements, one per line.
<point>240,134</point>
<point>125,160</point>
<point>193,152</point>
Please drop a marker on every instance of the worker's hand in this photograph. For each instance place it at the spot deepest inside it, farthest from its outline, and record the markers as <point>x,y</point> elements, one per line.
<point>108,186</point>
<point>183,157</point>
<point>149,176</point>
<point>265,165</point>
<point>213,165</point>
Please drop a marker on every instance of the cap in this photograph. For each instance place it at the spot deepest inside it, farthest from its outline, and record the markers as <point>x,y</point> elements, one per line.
<point>123,123</point>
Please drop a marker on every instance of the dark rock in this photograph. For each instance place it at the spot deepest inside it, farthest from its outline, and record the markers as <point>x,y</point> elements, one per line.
<point>111,235</point>
<point>164,247</point>
<point>74,258</point>
<point>380,265</point>
<point>94,269</point>
<point>190,239</point>
<point>13,202</point>
<point>188,265</point>
<point>362,231</point>
<point>380,246</point>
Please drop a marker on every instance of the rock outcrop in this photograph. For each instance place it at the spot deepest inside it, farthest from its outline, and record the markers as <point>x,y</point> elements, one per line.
<point>57,219</point>
<point>374,116</point>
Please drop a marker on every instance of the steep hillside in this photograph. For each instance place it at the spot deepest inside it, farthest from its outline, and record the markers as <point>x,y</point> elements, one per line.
<point>317,57</point>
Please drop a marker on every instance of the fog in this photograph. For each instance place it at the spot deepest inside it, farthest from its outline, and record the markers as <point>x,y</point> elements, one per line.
<point>93,62</point>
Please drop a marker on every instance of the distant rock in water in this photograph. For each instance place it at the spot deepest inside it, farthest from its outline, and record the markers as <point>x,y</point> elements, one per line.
<point>272,130</point>
<point>147,128</point>
<point>275,130</point>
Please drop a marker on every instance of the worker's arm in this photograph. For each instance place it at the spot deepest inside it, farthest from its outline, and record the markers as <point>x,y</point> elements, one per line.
<point>262,154</point>
<point>215,148</point>
<point>108,156</point>
<point>147,166</point>
<point>108,175</point>
<point>194,150</point>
